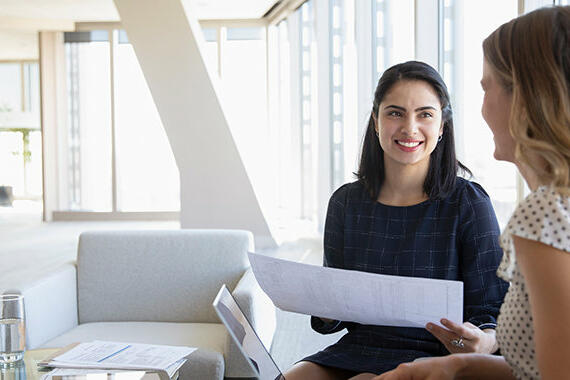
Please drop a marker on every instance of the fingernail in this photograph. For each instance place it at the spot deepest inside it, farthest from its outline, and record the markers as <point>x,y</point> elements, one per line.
<point>429,326</point>
<point>443,320</point>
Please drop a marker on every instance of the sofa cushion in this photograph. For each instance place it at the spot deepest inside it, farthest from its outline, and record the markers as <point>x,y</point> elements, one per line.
<point>205,363</point>
<point>178,273</point>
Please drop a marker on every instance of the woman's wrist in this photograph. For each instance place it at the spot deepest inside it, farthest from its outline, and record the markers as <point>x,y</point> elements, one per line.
<point>492,335</point>
<point>459,363</point>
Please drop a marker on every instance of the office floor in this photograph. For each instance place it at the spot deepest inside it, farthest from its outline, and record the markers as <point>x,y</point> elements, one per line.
<point>30,249</point>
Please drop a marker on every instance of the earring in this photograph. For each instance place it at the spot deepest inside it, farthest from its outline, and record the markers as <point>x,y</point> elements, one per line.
<point>376,133</point>
<point>439,138</point>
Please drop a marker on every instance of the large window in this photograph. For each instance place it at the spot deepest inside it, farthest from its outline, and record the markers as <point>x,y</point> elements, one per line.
<point>284,64</point>
<point>338,72</point>
<point>147,176</point>
<point>244,85</point>
<point>329,55</point>
<point>118,156</point>
<point>466,25</point>
<point>89,133</point>
<point>393,33</point>
<point>308,122</point>
<point>343,92</point>
<point>20,136</point>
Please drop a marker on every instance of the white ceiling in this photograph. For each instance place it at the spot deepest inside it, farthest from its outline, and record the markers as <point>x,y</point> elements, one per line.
<point>104,10</point>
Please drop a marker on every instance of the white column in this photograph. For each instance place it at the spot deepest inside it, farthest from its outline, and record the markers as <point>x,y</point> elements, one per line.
<point>427,32</point>
<point>215,189</point>
<point>53,115</point>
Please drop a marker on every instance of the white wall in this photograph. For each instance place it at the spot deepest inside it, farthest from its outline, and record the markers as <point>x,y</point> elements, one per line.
<point>18,45</point>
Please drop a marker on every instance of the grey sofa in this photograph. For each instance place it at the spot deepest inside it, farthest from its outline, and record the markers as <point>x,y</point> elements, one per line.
<point>152,287</point>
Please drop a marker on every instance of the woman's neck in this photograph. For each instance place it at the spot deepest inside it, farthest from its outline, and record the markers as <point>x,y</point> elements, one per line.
<point>529,176</point>
<point>403,184</point>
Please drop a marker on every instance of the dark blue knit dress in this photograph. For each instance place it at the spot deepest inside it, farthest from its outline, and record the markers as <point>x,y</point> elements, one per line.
<point>455,238</point>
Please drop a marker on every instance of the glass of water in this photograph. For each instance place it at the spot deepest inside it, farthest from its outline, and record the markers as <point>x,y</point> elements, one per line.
<point>12,329</point>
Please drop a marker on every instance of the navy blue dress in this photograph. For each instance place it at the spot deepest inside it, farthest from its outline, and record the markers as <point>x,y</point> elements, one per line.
<point>455,238</point>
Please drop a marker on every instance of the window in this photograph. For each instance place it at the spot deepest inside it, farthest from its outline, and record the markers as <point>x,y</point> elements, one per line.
<point>89,133</point>
<point>211,48</point>
<point>308,107</point>
<point>393,33</point>
<point>119,158</point>
<point>244,84</point>
<point>20,136</point>
<point>147,175</point>
<point>466,25</point>
<point>364,39</point>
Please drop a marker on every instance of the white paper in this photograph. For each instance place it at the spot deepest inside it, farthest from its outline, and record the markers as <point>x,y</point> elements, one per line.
<point>116,355</point>
<point>94,374</point>
<point>353,296</point>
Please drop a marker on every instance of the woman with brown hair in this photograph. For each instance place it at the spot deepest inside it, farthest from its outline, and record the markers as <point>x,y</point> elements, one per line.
<point>410,214</point>
<point>526,79</point>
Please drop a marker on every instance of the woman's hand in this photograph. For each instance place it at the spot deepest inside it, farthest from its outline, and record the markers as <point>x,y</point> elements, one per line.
<point>442,368</point>
<point>464,338</point>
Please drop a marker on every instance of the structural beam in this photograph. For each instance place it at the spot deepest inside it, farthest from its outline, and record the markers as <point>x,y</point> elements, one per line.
<point>215,189</point>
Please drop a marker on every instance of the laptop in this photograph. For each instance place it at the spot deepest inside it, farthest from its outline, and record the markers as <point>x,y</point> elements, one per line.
<point>245,337</point>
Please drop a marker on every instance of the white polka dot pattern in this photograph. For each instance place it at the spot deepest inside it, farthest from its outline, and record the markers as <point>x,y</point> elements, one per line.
<point>543,216</point>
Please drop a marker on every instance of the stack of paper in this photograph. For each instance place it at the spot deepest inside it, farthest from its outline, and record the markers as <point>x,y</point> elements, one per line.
<point>165,360</point>
<point>99,374</point>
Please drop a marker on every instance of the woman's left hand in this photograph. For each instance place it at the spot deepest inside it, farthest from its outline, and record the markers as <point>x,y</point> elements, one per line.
<point>464,338</point>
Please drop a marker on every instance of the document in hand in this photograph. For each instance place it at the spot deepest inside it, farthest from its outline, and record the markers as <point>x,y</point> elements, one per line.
<point>353,296</point>
<point>117,355</point>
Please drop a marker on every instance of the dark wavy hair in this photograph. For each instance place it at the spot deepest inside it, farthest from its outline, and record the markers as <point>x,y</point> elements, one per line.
<point>443,164</point>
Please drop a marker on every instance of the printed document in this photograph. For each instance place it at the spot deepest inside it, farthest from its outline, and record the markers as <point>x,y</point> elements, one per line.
<point>118,355</point>
<point>353,296</point>
<point>98,374</point>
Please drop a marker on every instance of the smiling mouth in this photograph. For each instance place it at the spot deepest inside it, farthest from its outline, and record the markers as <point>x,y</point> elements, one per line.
<point>409,144</point>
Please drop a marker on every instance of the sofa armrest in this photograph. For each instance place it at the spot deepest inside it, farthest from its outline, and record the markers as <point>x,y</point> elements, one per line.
<point>260,312</point>
<point>51,306</point>
<point>257,307</point>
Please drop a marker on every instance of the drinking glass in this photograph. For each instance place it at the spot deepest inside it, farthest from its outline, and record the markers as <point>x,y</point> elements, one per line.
<point>12,329</point>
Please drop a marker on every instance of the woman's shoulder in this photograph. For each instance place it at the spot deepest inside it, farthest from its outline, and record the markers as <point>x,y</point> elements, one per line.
<point>543,216</point>
<point>470,188</point>
<point>350,191</point>
<point>470,191</point>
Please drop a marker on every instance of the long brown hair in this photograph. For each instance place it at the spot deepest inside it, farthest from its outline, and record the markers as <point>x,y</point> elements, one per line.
<point>530,57</point>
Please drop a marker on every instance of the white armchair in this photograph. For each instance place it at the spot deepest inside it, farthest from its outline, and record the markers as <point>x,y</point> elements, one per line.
<point>152,287</point>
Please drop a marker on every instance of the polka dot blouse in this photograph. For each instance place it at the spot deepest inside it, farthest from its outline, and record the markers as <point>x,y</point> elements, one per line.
<point>543,216</point>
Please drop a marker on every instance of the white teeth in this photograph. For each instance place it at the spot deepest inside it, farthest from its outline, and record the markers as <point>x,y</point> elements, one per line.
<point>409,144</point>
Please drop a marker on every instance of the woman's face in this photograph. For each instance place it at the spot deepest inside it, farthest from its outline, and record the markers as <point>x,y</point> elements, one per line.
<point>409,123</point>
<point>496,111</point>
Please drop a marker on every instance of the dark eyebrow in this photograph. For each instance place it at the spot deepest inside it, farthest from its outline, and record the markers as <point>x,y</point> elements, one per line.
<point>416,110</point>
<point>426,108</point>
<point>396,107</point>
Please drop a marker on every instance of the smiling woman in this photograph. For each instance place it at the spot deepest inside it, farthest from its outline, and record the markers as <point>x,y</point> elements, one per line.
<point>409,214</point>
<point>409,125</point>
